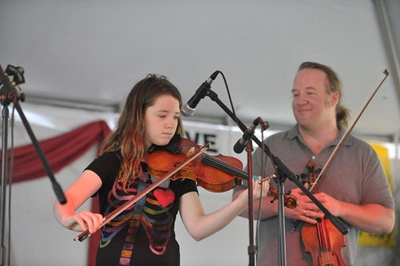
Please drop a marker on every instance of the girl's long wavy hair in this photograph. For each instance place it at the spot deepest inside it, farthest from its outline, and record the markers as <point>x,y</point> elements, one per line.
<point>129,134</point>
<point>333,84</point>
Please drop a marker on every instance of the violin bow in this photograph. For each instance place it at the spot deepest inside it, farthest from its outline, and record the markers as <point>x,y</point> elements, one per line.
<point>193,155</point>
<point>348,131</point>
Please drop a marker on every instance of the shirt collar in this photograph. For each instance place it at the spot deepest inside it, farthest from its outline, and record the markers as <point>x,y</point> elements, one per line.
<point>294,133</point>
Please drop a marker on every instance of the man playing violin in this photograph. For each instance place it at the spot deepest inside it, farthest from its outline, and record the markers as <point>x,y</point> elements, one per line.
<point>354,189</point>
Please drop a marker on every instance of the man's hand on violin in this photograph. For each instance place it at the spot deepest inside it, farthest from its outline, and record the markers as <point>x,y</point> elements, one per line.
<point>330,203</point>
<point>306,210</point>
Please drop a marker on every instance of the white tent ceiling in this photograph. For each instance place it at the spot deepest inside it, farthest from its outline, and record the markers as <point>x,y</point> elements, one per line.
<point>90,53</point>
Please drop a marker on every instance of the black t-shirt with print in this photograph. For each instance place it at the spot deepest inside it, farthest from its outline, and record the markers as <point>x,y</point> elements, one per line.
<point>144,233</point>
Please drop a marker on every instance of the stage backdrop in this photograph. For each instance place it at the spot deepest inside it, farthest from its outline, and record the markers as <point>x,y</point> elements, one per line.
<point>37,239</point>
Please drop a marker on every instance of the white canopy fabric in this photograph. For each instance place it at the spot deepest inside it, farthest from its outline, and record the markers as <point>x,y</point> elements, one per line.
<point>88,54</point>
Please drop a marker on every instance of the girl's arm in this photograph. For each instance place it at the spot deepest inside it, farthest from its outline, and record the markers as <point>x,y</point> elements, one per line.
<point>77,194</point>
<point>201,225</point>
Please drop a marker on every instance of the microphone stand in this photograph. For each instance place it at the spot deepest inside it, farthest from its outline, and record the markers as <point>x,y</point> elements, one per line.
<point>9,94</point>
<point>282,172</point>
<point>252,248</point>
<point>281,220</point>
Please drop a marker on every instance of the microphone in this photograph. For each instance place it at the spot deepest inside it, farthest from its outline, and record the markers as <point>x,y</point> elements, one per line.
<point>190,107</point>
<point>248,134</point>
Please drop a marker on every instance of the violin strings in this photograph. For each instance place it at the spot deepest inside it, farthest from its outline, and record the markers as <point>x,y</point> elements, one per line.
<point>219,164</point>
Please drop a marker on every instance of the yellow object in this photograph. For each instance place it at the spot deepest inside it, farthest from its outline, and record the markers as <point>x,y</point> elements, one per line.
<point>380,240</point>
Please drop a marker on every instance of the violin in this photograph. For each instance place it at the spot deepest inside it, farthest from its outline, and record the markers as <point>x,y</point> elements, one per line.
<point>214,173</point>
<point>322,240</point>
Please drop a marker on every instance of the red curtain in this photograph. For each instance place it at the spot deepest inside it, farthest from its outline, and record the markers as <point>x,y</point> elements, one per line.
<point>60,151</point>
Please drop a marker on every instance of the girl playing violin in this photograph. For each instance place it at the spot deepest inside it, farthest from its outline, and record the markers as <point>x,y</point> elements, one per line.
<point>144,233</point>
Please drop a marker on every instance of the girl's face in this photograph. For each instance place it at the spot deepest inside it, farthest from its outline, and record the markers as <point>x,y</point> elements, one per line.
<point>161,120</point>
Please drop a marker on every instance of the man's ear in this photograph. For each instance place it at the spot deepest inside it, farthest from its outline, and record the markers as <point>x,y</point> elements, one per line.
<point>335,98</point>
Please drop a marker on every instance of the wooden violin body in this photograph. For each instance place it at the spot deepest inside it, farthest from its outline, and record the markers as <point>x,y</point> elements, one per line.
<point>215,173</point>
<point>322,240</point>
<point>206,176</point>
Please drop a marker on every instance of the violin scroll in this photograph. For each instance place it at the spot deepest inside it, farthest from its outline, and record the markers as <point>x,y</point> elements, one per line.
<point>289,201</point>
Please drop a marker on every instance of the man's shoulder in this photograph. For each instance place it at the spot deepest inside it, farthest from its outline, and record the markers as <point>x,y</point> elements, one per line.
<point>285,134</point>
